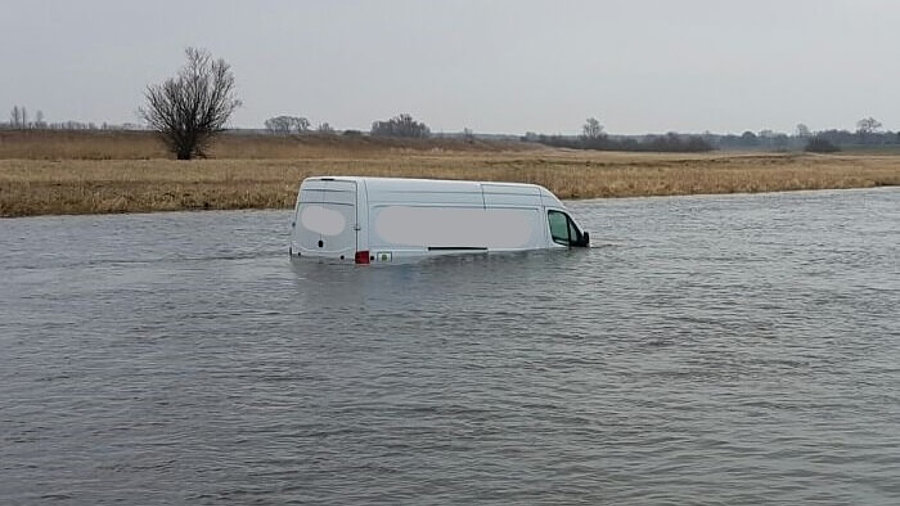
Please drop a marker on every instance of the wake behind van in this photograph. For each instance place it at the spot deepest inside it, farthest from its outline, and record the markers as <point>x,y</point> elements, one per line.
<point>367,219</point>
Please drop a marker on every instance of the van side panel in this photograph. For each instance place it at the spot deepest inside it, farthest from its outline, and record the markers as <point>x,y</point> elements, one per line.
<point>521,198</point>
<point>448,228</point>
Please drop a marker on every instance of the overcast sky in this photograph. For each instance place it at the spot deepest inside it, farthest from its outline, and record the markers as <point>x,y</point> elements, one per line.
<point>506,66</point>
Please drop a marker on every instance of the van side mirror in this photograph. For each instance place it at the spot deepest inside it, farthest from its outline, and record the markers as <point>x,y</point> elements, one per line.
<point>585,239</point>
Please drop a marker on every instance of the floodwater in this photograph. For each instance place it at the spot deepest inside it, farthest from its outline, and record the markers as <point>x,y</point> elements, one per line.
<point>708,350</point>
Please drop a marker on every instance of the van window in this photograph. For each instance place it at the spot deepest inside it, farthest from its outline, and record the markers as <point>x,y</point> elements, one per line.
<point>559,227</point>
<point>563,229</point>
<point>574,234</point>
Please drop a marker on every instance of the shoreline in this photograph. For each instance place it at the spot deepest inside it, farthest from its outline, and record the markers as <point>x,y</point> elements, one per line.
<point>35,187</point>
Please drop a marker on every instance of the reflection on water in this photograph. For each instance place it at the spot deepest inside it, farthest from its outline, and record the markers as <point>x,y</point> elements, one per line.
<point>736,349</point>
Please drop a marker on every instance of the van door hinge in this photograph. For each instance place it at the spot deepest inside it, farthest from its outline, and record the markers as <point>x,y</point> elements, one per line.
<point>357,227</point>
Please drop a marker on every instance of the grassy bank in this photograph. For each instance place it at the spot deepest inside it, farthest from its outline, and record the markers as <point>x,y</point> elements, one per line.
<point>37,185</point>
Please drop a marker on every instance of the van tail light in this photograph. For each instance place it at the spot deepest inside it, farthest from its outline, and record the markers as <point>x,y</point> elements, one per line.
<point>362,257</point>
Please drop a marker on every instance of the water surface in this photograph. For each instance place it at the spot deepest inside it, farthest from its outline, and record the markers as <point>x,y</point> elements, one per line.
<point>716,350</point>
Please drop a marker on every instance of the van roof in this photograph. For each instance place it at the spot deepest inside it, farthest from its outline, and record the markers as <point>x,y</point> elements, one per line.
<point>394,184</point>
<point>419,182</point>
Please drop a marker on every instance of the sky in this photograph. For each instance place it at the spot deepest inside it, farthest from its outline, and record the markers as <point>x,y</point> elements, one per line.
<point>502,66</point>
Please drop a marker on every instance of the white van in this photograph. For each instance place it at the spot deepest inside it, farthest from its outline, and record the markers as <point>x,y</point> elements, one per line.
<point>369,219</point>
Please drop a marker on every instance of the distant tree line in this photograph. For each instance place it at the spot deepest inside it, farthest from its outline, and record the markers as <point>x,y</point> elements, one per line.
<point>868,133</point>
<point>670,142</point>
<point>19,119</point>
<point>402,125</point>
<point>593,137</point>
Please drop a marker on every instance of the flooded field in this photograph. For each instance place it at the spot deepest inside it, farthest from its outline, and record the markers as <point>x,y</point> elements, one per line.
<point>716,349</point>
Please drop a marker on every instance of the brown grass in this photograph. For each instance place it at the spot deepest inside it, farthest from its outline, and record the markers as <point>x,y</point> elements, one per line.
<point>131,145</point>
<point>56,185</point>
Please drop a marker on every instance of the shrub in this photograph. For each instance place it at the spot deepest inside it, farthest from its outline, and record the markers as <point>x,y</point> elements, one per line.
<point>820,145</point>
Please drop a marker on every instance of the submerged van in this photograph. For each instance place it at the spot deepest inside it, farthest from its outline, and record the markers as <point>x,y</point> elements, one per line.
<point>368,219</point>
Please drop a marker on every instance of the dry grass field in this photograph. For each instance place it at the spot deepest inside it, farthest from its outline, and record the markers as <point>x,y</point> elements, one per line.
<point>79,173</point>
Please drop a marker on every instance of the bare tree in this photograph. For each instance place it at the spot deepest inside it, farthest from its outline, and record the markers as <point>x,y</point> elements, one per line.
<point>190,109</point>
<point>284,125</point>
<point>592,135</point>
<point>325,128</point>
<point>868,125</point>
<point>279,125</point>
<point>820,144</point>
<point>803,131</point>
<point>400,126</point>
<point>592,129</point>
<point>18,117</point>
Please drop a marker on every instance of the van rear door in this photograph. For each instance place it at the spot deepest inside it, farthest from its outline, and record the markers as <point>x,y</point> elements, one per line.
<point>327,218</point>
